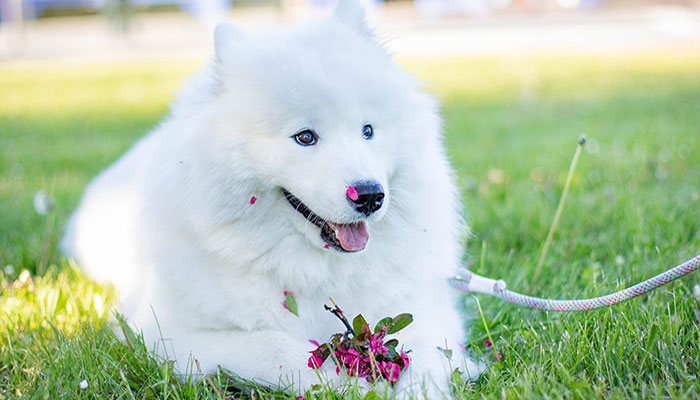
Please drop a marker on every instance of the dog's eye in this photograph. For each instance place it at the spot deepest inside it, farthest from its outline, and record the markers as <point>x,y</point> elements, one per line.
<point>307,137</point>
<point>367,131</point>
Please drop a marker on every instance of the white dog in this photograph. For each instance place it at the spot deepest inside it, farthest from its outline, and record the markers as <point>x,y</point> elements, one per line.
<point>246,191</point>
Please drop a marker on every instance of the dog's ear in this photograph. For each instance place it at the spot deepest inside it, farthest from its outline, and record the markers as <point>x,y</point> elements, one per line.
<point>351,13</point>
<point>226,36</point>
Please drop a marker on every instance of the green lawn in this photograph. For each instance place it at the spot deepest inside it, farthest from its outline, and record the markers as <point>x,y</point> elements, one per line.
<point>511,126</point>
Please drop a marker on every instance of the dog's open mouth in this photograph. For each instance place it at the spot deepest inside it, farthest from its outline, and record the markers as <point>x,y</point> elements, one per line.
<point>343,237</point>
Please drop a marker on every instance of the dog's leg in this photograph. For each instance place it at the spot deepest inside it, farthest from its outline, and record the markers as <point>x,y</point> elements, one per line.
<point>270,358</point>
<point>437,324</point>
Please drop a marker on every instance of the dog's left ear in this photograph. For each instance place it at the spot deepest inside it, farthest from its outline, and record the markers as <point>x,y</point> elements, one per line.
<point>226,36</point>
<point>351,13</point>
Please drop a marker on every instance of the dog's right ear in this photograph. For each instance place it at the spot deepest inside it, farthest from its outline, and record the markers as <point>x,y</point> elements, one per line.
<point>226,36</point>
<point>352,14</point>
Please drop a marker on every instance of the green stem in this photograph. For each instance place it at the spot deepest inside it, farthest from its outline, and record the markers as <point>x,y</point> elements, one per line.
<point>560,209</point>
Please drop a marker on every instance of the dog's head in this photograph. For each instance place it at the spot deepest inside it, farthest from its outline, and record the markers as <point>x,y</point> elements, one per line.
<point>321,114</point>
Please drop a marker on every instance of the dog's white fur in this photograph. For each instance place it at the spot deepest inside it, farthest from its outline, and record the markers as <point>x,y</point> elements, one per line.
<point>171,224</point>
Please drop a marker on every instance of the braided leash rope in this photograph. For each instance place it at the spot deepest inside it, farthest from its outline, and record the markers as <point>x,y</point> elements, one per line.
<point>468,281</point>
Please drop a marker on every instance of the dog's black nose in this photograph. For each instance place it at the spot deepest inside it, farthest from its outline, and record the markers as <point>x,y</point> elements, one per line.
<point>366,197</point>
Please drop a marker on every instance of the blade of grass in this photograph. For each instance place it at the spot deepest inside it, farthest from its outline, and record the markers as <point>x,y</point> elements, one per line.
<point>560,209</point>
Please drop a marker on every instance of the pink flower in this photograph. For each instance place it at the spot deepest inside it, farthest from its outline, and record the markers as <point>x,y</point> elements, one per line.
<point>488,343</point>
<point>315,361</point>
<point>376,341</point>
<point>405,359</point>
<point>461,346</point>
<point>315,343</point>
<point>391,371</point>
<point>326,246</point>
<point>253,200</point>
<point>352,193</point>
<point>284,304</point>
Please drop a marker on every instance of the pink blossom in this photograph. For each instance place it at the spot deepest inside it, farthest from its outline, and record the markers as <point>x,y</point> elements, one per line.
<point>253,200</point>
<point>376,341</point>
<point>352,193</point>
<point>390,370</point>
<point>284,304</point>
<point>461,346</point>
<point>488,343</point>
<point>376,344</point>
<point>315,343</point>
<point>315,361</point>
<point>326,246</point>
<point>405,359</point>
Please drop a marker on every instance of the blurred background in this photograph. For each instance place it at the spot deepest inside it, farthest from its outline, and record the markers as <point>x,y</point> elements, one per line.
<point>166,29</point>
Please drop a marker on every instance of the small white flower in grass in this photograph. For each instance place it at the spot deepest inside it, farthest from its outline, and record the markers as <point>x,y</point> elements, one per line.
<point>83,384</point>
<point>619,260</point>
<point>43,203</point>
<point>696,292</point>
<point>9,269</point>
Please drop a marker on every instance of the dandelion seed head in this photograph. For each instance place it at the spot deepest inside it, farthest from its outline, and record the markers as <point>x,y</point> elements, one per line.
<point>43,203</point>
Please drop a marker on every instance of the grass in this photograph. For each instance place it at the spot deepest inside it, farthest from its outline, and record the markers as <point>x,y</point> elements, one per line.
<point>511,128</point>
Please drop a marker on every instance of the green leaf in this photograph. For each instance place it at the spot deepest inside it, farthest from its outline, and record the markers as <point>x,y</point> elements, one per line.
<point>652,336</point>
<point>446,352</point>
<point>391,343</point>
<point>388,321</point>
<point>456,378</point>
<point>391,354</point>
<point>399,322</point>
<point>131,339</point>
<point>291,303</point>
<point>358,323</point>
<point>371,396</point>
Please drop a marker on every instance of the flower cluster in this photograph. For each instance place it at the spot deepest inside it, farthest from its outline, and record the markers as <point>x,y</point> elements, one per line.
<point>366,354</point>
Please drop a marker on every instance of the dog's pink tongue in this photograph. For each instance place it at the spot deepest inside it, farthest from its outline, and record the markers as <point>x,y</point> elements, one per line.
<point>352,237</point>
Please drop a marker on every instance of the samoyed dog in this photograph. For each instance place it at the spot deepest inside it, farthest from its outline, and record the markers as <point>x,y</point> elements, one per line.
<point>300,160</point>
